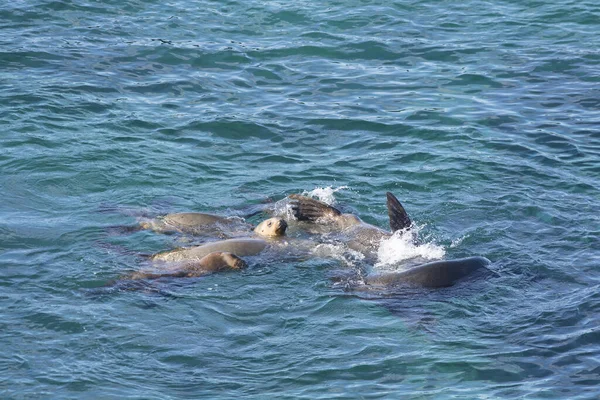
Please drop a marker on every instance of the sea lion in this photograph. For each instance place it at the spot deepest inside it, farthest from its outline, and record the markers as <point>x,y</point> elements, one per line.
<point>239,247</point>
<point>269,229</point>
<point>194,223</point>
<point>358,235</point>
<point>434,274</point>
<point>366,239</point>
<point>206,224</point>
<point>210,263</point>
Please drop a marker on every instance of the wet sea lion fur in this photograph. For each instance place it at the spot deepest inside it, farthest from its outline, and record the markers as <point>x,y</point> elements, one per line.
<point>268,229</point>
<point>434,274</point>
<point>210,263</point>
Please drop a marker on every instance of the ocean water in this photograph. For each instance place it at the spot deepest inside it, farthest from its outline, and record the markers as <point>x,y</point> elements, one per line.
<point>481,116</point>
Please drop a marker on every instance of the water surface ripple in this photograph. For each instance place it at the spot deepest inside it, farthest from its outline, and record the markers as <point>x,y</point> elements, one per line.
<point>482,117</point>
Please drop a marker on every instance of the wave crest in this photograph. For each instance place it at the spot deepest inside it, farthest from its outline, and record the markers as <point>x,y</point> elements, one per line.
<point>325,194</point>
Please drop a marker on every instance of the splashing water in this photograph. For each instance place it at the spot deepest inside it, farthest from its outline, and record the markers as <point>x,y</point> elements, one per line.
<point>326,194</point>
<point>338,252</point>
<point>402,246</point>
<point>456,242</point>
<point>282,208</point>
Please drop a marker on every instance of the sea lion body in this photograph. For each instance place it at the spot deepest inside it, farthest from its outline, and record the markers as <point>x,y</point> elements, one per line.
<point>194,223</point>
<point>210,263</point>
<point>348,228</point>
<point>365,238</point>
<point>194,219</point>
<point>434,274</point>
<point>270,228</point>
<point>239,247</point>
<point>207,224</point>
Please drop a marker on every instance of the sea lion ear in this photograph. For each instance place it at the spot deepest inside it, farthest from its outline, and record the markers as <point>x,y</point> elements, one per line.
<point>308,209</point>
<point>399,219</point>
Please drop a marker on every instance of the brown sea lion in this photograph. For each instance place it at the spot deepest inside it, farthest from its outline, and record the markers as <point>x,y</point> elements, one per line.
<point>208,224</point>
<point>271,228</point>
<point>210,263</point>
<point>182,221</point>
<point>194,223</point>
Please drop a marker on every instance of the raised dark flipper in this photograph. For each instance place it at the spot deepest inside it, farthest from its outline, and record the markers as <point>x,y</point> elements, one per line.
<point>399,219</point>
<point>308,209</point>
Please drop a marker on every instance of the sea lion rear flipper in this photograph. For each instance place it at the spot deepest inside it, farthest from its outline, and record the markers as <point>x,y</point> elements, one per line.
<point>308,209</point>
<point>250,211</point>
<point>399,219</point>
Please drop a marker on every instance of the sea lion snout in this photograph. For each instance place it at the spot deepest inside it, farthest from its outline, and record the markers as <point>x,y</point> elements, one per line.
<point>282,226</point>
<point>238,263</point>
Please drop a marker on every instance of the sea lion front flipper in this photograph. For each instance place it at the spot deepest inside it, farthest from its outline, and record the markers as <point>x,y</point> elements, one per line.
<point>308,209</point>
<point>399,219</point>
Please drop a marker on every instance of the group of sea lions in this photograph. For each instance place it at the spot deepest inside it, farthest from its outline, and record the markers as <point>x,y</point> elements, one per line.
<point>238,239</point>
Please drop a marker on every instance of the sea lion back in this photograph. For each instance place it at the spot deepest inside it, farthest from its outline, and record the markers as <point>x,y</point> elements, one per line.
<point>239,247</point>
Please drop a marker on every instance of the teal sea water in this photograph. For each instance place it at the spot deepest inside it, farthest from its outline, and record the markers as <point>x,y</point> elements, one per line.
<point>481,116</point>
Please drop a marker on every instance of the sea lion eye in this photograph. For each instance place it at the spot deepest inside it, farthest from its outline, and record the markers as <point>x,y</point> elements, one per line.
<point>269,224</point>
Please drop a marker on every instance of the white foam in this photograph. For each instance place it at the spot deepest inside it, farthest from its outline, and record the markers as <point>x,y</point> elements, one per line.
<point>394,251</point>
<point>338,252</point>
<point>326,194</point>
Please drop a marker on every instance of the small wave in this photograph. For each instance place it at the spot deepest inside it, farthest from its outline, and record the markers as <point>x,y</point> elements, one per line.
<point>401,246</point>
<point>326,194</point>
<point>456,242</point>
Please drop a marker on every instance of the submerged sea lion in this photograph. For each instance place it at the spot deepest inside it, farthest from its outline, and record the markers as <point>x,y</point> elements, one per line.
<point>194,223</point>
<point>212,262</point>
<point>366,238</point>
<point>434,274</point>
<point>183,222</point>
<point>202,223</point>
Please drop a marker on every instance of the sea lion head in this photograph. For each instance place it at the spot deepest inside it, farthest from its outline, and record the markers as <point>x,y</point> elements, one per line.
<point>233,261</point>
<point>216,261</point>
<point>272,227</point>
